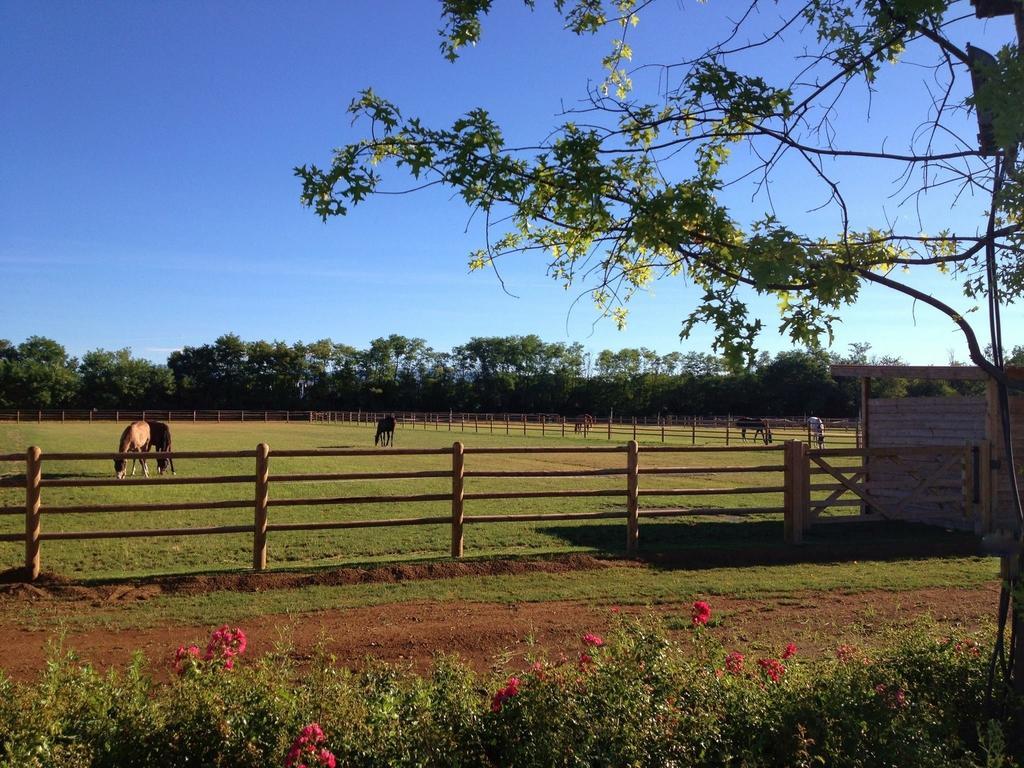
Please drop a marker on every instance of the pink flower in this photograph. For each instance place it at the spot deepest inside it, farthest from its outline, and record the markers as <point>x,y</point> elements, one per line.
<point>790,651</point>
<point>506,693</point>
<point>224,645</point>
<point>307,749</point>
<point>700,613</point>
<point>184,658</point>
<point>734,662</point>
<point>594,640</point>
<point>585,660</point>
<point>616,609</point>
<point>773,668</point>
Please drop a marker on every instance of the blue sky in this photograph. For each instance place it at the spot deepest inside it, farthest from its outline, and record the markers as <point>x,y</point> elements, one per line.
<point>147,197</point>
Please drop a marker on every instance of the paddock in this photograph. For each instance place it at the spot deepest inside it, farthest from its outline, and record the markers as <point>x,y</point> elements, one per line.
<point>320,497</point>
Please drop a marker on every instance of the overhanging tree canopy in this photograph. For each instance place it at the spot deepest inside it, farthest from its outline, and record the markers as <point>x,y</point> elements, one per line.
<point>636,185</point>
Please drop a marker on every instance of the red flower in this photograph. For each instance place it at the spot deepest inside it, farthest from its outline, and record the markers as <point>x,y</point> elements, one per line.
<point>773,668</point>
<point>591,639</point>
<point>734,663</point>
<point>790,651</point>
<point>845,652</point>
<point>506,693</point>
<point>585,660</point>
<point>700,613</point>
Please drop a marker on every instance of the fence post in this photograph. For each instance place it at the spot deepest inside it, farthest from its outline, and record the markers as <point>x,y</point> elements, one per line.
<point>259,526</point>
<point>728,423</point>
<point>33,478</point>
<point>458,492</point>
<point>632,498</point>
<point>634,427</point>
<point>797,491</point>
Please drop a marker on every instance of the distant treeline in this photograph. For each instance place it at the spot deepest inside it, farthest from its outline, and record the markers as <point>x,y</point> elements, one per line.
<point>495,374</point>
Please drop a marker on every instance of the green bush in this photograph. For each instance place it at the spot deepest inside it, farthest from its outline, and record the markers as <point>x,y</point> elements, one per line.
<point>633,699</point>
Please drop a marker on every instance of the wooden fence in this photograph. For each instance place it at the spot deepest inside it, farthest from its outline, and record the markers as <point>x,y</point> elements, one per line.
<point>797,465</point>
<point>692,430</point>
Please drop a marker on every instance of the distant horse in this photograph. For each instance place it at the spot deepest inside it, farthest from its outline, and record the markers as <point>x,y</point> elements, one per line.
<point>583,424</point>
<point>760,427</point>
<point>135,438</point>
<point>816,430</point>
<point>160,441</point>
<point>385,431</point>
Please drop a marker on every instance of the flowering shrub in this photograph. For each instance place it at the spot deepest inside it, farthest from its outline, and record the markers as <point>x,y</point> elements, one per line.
<point>700,613</point>
<point>642,699</point>
<point>306,751</point>
<point>592,640</point>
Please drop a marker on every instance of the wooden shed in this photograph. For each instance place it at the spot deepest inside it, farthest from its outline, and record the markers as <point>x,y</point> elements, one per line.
<point>944,421</point>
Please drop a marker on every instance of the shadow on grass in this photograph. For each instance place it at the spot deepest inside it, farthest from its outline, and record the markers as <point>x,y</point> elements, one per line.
<point>692,545</point>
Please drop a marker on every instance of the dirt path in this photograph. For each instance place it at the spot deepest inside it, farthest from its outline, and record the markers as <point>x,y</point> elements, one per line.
<point>484,633</point>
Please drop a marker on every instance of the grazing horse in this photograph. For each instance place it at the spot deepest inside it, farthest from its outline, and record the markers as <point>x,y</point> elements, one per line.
<point>160,441</point>
<point>385,431</point>
<point>583,424</point>
<point>760,427</point>
<point>135,438</point>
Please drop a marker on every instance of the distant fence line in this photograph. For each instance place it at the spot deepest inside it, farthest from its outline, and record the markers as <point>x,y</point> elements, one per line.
<point>675,428</point>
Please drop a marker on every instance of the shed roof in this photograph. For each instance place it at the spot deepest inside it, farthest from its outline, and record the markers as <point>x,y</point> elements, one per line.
<point>945,372</point>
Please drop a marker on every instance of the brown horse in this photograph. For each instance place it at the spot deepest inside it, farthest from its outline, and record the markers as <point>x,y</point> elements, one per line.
<point>760,427</point>
<point>160,441</point>
<point>385,431</point>
<point>584,424</point>
<point>134,439</point>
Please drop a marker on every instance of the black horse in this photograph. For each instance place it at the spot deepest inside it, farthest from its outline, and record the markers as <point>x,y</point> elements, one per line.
<point>160,441</point>
<point>760,427</point>
<point>385,431</point>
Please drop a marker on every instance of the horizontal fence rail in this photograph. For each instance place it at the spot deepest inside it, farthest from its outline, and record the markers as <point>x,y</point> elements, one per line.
<point>791,462</point>
<point>696,430</point>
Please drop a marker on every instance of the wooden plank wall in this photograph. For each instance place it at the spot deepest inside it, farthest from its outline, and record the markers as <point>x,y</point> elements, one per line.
<point>924,421</point>
<point>1002,515</point>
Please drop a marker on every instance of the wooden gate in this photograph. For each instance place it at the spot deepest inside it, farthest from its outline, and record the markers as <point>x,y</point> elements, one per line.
<point>937,485</point>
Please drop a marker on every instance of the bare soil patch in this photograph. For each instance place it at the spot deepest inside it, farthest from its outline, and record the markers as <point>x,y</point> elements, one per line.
<point>487,635</point>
